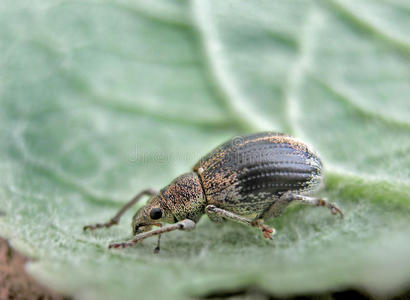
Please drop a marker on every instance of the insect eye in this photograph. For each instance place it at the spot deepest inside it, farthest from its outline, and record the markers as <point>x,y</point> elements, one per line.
<point>155,213</point>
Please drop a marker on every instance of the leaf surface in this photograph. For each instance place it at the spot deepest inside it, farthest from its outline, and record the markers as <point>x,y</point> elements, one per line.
<point>101,99</point>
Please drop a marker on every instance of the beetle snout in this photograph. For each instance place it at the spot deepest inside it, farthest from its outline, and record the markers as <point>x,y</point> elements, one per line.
<point>140,228</point>
<point>136,229</point>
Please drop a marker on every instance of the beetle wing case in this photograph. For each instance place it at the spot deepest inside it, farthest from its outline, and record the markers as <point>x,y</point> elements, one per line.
<point>243,174</point>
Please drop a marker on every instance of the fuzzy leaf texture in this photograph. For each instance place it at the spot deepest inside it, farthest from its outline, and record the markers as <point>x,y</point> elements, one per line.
<point>101,99</point>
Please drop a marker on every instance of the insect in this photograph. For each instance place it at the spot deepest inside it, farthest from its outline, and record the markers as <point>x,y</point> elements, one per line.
<point>248,179</point>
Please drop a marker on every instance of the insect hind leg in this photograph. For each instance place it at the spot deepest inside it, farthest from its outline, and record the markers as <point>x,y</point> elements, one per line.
<point>279,205</point>
<point>334,209</point>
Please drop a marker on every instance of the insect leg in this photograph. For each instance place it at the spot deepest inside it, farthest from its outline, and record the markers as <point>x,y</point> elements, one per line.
<point>214,216</point>
<point>181,225</point>
<point>158,247</point>
<point>114,220</point>
<point>318,202</point>
<point>217,213</point>
<point>277,207</point>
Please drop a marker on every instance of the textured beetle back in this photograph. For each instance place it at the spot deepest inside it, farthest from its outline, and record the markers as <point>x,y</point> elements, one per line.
<point>184,197</point>
<point>252,168</point>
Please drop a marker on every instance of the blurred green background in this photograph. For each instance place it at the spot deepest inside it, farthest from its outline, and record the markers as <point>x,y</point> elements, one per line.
<point>100,99</point>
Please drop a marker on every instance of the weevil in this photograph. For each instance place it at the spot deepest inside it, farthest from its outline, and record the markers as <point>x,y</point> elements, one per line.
<point>249,179</point>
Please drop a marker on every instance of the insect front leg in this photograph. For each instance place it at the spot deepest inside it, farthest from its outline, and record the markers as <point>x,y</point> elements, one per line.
<point>216,213</point>
<point>114,220</point>
<point>186,224</point>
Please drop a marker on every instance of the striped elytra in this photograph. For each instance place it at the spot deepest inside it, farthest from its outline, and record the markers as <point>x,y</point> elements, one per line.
<point>257,168</point>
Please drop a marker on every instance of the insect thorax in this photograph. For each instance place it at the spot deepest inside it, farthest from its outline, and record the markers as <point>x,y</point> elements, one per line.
<point>184,197</point>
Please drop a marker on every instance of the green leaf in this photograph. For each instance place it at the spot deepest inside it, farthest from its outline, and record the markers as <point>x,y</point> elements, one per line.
<point>100,99</point>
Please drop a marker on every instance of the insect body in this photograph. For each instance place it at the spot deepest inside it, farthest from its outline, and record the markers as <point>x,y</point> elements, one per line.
<point>248,179</point>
